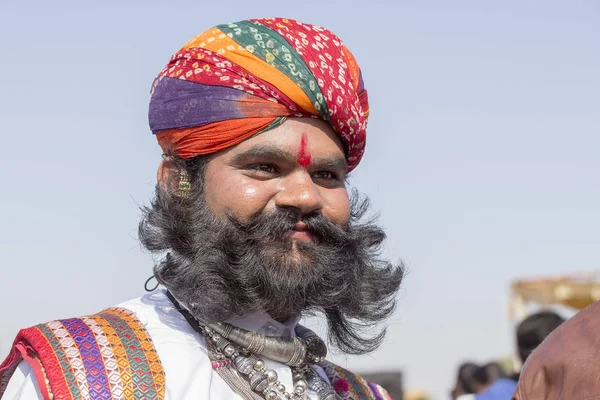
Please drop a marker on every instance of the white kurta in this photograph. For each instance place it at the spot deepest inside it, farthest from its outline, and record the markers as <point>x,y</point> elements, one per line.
<point>181,350</point>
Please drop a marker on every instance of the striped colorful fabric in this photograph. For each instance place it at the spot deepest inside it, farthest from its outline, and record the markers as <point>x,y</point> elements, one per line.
<point>237,80</point>
<point>351,386</point>
<point>108,355</point>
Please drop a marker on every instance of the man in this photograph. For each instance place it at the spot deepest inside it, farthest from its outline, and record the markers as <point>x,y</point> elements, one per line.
<point>260,122</point>
<point>463,387</point>
<point>492,383</point>
<point>531,332</point>
<point>486,382</point>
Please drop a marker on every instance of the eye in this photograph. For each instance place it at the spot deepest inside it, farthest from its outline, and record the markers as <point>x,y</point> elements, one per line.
<point>263,168</point>
<point>326,175</point>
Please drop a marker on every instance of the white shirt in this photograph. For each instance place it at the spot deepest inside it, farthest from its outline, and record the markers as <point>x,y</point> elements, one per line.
<point>182,352</point>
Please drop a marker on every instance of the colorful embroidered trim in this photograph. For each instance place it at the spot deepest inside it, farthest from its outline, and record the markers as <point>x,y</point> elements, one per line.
<point>108,355</point>
<point>379,392</point>
<point>351,386</point>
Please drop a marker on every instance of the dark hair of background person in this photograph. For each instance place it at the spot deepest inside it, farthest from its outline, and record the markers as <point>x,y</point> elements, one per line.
<point>532,331</point>
<point>464,381</point>
<point>494,371</point>
<point>486,375</point>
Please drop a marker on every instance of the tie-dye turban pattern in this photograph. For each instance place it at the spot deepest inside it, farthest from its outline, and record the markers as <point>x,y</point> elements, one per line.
<point>236,80</point>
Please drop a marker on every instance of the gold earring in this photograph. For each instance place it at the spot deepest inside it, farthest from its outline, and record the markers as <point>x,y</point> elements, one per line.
<point>184,182</point>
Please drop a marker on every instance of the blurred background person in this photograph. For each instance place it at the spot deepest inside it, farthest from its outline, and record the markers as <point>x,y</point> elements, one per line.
<point>494,371</point>
<point>463,388</point>
<point>532,331</point>
<point>491,382</point>
<point>564,365</point>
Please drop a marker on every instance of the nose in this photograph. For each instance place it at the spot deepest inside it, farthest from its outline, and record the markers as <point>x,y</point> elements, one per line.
<point>300,192</point>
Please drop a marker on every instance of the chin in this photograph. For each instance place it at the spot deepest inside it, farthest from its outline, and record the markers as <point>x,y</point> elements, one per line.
<point>296,253</point>
<point>294,257</point>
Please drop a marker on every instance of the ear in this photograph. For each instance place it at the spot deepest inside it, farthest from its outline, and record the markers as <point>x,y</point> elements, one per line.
<point>168,175</point>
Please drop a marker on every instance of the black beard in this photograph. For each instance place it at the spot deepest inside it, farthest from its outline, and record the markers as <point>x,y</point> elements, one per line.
<point>224,268</point>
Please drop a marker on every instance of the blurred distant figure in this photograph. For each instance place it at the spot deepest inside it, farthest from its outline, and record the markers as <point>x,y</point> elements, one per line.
<point>494,371</point>
<point>532,331</point>
<point>464,386</point>
<point>491,382</point>
<point>565,365</point>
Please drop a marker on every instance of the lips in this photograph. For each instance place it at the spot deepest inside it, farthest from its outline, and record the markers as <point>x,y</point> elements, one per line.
<point>301,231</point>
<point>301,226</point>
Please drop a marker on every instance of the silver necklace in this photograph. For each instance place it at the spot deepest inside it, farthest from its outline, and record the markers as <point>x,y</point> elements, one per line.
<point>233,353</point>
<point>226,356</point>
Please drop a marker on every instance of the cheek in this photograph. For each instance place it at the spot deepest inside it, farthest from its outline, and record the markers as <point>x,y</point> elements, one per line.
<point>232,192</point>
<point>337,206</point>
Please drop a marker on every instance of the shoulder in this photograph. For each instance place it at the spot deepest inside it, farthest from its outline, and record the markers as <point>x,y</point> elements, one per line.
<point>500,389</point>
<point>351,385</point>
<point>78,356</point>
<point>155,312</point>
<point>564,365</point>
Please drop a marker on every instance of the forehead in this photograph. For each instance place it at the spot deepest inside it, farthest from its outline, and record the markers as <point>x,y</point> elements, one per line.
<point>318,138</point>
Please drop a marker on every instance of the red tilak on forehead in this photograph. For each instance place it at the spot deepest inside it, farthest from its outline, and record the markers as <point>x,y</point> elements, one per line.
<point>303,154</point>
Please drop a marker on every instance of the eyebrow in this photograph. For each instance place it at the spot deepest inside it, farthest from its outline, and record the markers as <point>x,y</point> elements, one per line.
<point>332,163</point>
<point>264,152</point>
<point>268,152</point>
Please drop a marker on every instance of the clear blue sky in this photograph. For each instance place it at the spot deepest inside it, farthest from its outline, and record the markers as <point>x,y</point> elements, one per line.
<point>482,155</point>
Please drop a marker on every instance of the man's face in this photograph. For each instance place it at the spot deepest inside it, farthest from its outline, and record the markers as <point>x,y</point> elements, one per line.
<point>300,165</point>
<point>270,228</point>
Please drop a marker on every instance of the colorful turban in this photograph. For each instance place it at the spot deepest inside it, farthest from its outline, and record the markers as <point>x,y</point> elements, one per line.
<point>236,80</point>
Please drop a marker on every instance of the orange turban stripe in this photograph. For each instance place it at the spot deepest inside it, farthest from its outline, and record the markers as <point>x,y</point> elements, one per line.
<point>213,137</point>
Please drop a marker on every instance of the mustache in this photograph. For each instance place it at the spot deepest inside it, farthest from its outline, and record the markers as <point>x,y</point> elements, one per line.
<point>276,224</point>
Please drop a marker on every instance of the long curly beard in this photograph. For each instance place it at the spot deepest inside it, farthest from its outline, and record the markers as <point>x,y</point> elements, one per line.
<point>223,268</point>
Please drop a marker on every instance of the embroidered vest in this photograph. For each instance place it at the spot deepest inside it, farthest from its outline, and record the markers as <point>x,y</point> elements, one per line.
<point>110,355</point>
